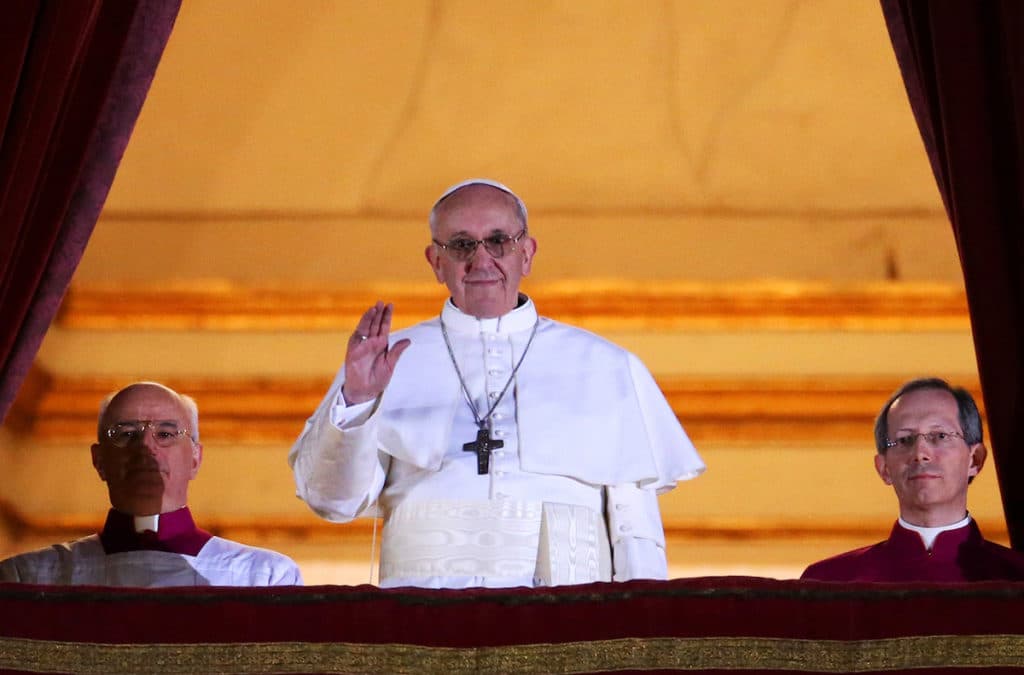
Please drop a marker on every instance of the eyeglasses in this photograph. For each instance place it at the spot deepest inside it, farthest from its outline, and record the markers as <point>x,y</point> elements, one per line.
<point>461,249</point>
<point>936,439</point>
<point>165,434</point>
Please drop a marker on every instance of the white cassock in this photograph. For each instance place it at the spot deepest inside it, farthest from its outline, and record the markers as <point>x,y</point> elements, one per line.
<point>571,497</point>
<point>83,562</point>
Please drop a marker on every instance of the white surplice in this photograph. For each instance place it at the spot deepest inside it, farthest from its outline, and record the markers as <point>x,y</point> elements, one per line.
<point>83,562</point>
<point>585,431</point>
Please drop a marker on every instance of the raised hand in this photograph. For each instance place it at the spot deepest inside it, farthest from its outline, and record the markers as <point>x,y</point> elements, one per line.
<point>369,362</point>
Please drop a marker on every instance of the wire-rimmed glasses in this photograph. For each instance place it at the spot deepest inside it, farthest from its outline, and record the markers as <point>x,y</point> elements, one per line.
<point>936,439</point>
<point>498,245</point>
<point>165,432</point>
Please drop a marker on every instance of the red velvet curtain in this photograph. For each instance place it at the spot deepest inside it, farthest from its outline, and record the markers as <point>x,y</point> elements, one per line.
<point>712,625</point>
<point>73,76</point>
<point>963,67</point>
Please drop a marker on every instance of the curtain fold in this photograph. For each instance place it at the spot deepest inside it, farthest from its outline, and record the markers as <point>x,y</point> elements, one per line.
<point>962,63</point>
<point>73,76</point>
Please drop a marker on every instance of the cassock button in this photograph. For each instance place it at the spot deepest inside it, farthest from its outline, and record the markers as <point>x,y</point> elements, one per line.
<point>625,527</point>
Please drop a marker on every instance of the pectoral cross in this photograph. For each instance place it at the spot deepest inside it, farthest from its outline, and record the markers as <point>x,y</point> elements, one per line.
<point>482,446</point>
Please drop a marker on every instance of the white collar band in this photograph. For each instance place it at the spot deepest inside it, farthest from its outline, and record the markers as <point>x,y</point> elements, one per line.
<point>143,523</point>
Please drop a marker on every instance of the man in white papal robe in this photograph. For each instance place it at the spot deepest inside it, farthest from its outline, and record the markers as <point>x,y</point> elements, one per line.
<point>501,448</point>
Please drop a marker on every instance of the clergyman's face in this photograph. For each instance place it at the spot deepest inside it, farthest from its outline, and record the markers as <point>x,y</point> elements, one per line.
<point>147,477</point>
<point>482,286</point>
<point>930,479</point>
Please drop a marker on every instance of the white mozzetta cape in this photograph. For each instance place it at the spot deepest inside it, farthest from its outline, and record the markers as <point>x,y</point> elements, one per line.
<point>586,408</point>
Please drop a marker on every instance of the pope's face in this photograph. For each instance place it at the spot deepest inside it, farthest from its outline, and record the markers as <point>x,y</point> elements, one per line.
<point>482,286</point>
<point>148,475</point>
<point>930,477</point>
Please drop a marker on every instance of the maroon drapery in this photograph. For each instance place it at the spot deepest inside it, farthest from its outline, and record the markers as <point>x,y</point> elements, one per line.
<point>704,625</point>
<point>73,76</point>
<point>963,67</point>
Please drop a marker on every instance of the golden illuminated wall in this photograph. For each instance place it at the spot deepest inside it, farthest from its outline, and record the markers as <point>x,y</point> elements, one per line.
<point>736,191</point>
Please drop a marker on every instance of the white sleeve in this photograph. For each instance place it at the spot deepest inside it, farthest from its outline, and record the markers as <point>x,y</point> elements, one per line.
<point>286,573</point>
<point>9,571</point>
<point>338,469</point>
<point>636,534</point>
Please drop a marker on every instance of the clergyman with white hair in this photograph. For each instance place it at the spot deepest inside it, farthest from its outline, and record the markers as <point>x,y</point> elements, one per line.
<point>500,447</point>
<point>147,452</point>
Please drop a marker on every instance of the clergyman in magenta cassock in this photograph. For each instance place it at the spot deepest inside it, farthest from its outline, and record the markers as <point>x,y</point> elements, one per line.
<point>929,441</point>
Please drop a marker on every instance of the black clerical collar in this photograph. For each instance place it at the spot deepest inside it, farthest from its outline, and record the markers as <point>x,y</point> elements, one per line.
<point>176,533</point>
